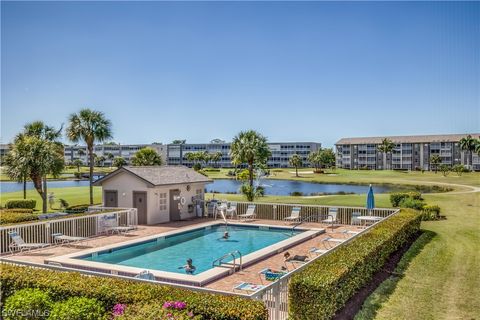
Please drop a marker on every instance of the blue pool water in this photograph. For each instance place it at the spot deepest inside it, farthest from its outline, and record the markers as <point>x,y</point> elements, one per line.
<point>202,246</point>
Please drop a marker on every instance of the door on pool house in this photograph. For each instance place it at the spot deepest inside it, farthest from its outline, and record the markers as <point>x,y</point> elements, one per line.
<point>174,203</point>
<point>140,202</point>
<point>110,198</point>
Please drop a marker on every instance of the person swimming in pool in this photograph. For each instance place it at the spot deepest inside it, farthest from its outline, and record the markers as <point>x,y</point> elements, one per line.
<point>226,235</point>
<point>189,267</point>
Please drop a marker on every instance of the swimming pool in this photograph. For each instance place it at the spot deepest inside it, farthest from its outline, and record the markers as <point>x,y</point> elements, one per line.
<point>164,253</point>
<point>203,246</point>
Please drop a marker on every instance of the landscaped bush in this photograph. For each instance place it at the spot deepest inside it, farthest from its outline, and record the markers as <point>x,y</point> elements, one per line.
<point>27,304</point>
<point>80,208</point>
<point>397,197</point>
<point>16,210</point>
<point>21,204</point>
<point>324,287</point>
<point>412,203</point>
<point>430,212</point>
<point>7,217</point>
<point>78,308</point>
<point>153,311</point>
<point>110,291</point>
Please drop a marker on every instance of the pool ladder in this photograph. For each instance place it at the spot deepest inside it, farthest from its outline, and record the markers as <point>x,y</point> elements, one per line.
<point>233,254</point>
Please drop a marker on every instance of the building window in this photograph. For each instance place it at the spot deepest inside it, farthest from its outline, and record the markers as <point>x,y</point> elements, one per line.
<point>163,201</point>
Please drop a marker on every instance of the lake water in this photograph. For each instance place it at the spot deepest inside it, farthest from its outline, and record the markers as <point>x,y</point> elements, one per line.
<point>286,187</point>
<point>272,187</point>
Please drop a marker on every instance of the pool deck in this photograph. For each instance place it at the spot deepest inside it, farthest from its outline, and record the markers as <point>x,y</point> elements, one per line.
<point>226,283</point>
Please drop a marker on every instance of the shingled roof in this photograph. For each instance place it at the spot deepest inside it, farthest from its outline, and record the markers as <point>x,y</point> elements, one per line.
<point>159,175</point>
<point>407,139</point>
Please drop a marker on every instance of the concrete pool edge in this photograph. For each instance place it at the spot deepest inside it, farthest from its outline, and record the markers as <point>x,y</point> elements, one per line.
<point>71,260</point>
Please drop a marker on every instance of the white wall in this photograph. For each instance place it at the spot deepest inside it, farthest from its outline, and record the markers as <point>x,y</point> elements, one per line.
<point>125,184</point>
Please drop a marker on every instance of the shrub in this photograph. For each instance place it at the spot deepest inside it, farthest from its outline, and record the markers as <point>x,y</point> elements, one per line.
<point>78,308</point>
<point>81,208</point>
<point>21,204</point>
<point>154,311</point>
<point>63,203</point>
<point>397,197</point>
<point>16,210</point>
<point>197,166</point>
<point>111,291</point>
<point>27,304</point>
<point>296,194</point>
<point>412,203</point>
<point>324,287</point>
<point>7,217</point>
<point>430,212</point>
<point>77,175</point>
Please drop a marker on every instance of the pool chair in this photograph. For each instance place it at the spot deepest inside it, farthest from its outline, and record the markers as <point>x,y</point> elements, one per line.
<point>61,239</point>
<point>317,251</point>
<point>349,233</point>
<point>329,241</point>
<point>332,216</point>
<point>295,215</point>
<point>121,229</point>
<point>145,275</point>
<point>232,210</point>
<point>19,244</point>
<point>249,215</point>
<point>354,220</point>
<point>271,275</point>
<point>249,287</point>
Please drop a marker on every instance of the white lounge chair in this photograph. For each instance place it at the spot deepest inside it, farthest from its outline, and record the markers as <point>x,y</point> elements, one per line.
<point>249,215</point>
<point>318,251</point>
<point>60,238</point>
<point>232,210</point>
<point>121,229</point>
<point>19,243</point>
<point>355,221</point>
<point>295,215</point>
<point>350,233</point>
<point>145,275</point>
<point>330,240</point>
<point>332,216</point>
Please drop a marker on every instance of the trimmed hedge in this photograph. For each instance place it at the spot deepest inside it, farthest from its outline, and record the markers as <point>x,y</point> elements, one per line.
<point>81,208</point>
<point>325,286</point>
<point>21,204</point>
<point>7,216</point>
<point>110,291</point>
<point>396,198</point>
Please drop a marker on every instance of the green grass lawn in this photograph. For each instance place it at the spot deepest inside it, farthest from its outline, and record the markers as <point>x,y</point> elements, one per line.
<point>440,273</point>
<point>73,195</point>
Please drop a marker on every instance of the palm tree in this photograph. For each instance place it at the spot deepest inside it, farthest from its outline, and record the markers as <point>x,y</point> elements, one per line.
<point>295,161</point>
<point>435,160</point>
<point>386,147</point>
<point>146,157</point>
<point>250,147</point>
<point>110,157</point>
<point>315,160</point>
<point>205,157</point>
<point>100,161</point>
<point>17,168</point>
<point>468,144</point>
<point>90,126</point>
<point>119,162</point>
<point>77,163</point>
<point>37,153</point>
<point>216,157</point>
<point>477,146</point>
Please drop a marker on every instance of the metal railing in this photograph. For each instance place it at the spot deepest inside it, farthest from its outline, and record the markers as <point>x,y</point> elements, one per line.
<point>234,264</point>
<point>83,226</point>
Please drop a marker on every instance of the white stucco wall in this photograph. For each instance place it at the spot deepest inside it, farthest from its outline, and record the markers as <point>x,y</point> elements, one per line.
<point>125,184</point>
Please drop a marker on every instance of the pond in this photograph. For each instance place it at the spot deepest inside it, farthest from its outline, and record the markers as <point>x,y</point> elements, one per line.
<point>10,186</point>
<point>286,187</point>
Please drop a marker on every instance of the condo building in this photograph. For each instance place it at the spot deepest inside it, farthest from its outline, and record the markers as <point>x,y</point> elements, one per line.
<point>281,152</point>
<point>409,153</point>
<point>126,151</point>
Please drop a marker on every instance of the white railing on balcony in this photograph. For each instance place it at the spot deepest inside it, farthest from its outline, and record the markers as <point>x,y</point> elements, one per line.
<point>83,226</point>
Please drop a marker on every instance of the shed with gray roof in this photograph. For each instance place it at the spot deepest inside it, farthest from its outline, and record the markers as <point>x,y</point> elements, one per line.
<point>160,193</point>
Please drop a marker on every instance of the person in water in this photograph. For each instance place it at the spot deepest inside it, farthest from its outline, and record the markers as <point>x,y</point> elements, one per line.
<point>226,235</point>
<point>189,267</point>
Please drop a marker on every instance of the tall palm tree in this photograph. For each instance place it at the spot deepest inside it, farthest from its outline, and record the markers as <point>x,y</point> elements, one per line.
<point>386,147</point>
<point>314,158</point>
<point>110,157</point>
<point>250,147</point>
<point>89,126</point>
<point>477,146</point>
<point>295,161</point>
<point>216,157</point>
<point>435,161</point>
<point>468,144</point>
<point>36,152</point>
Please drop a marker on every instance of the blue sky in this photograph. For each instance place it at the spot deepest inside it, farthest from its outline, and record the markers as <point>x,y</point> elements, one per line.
<point>308,71</point>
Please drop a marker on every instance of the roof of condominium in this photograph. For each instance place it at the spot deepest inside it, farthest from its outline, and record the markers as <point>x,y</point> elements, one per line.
<point>407,139</point>
<point>159,175</point>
